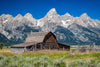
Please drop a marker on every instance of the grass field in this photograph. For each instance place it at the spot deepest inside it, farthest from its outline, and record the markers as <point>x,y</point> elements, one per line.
<point>68,57</point>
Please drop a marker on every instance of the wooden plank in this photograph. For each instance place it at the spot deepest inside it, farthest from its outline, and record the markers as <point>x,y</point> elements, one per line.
<point>41,46</point>
<point>35,47</point>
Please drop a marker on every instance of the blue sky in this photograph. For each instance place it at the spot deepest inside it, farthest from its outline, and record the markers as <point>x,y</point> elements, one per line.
<point>39,8</point>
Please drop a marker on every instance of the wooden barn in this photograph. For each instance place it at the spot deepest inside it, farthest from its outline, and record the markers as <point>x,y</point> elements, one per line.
<point>39,41</point>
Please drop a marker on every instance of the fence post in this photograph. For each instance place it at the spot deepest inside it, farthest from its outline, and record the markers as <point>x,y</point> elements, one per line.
<point>35,47</point>
<point>41,46</point>
<point>63,48</point>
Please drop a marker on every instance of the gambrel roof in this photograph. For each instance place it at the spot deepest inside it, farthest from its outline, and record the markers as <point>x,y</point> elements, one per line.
<point>37,37</point>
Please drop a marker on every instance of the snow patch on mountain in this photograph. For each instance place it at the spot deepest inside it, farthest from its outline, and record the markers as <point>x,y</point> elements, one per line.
<point>5,21</point>
<point>66,23</point>
<point>40,23</point>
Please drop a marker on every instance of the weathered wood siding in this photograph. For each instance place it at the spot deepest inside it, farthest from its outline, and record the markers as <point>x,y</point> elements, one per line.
<point>17,50</point>
<point>51,45</point>
<point>50,42</point>
<point>63,47</point>
<point>50,38</point>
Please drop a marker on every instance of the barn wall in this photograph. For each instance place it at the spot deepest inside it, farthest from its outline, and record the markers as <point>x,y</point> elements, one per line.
<point>17,50</point>
<point>50,42</point>
<point>63,47</point>
<point>51,45</point>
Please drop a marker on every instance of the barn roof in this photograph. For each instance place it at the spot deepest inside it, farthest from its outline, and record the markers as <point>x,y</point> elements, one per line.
<point>36,37</point>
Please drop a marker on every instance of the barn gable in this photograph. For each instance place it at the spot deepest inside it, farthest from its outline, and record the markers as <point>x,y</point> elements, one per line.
<point>50,37</point>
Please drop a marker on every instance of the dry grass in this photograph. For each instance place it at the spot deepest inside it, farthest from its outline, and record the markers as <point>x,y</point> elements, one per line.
<point>4,50</point>
<point>45,52</point>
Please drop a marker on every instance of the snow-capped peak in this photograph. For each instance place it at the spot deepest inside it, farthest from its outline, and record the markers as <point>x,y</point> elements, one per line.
<point>6,15</point>
<point>29,17</point>
<point>52,12</point>
<point>2,15</point>
<point>84,15</point>
<point>67,14</point>
<point>18,16</point>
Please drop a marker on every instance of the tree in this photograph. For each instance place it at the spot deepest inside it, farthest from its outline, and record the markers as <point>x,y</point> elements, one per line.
<point>1,45</point>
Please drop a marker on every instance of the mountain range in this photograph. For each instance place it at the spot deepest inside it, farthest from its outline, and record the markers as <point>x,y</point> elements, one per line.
<point>68,29</point>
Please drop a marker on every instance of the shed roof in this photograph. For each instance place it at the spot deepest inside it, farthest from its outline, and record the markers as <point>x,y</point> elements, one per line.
<point>23,45</point>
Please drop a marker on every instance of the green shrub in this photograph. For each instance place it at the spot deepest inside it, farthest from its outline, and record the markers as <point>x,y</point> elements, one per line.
<point>84,63</point>
<point>21,61</point>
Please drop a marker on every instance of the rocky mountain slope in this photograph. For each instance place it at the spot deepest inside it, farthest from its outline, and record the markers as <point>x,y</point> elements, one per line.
<point>68,29</point>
